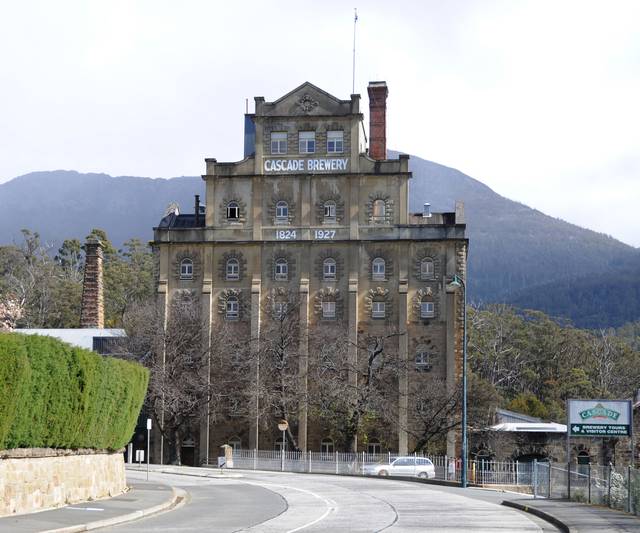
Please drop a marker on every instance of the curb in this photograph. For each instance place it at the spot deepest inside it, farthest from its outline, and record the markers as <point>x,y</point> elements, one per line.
<point>177,497</point>
<point>541,514</point>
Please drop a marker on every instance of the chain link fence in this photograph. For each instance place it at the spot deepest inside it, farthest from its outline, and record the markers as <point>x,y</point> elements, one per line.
<point>616,487</point>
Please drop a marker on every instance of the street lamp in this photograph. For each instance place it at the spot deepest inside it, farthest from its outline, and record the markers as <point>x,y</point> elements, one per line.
<point>456,284</point>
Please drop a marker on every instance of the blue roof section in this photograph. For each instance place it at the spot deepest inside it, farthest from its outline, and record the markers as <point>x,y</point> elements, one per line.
<point>181,221</point>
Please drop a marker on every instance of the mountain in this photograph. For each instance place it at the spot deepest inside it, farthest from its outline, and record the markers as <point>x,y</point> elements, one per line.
<point>66,204</point>
<point>517,254</point>
<point>514,247</point>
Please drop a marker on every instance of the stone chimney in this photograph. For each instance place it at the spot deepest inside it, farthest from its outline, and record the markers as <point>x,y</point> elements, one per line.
<point>378,119</point>
<point>92,311</point>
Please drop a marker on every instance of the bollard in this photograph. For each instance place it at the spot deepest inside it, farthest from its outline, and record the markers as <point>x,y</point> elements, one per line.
<point>549,481</point>
<point>337,463</point>
<point>309,463</point>
<point>255,458</point>
<point>363,462</point>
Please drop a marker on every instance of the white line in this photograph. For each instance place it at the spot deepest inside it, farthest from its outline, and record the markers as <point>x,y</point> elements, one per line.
<point>331,505</point>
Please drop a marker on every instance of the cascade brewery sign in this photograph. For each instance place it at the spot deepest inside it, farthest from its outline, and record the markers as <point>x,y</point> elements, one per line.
<point>306,165</point>
<point>599,418</point>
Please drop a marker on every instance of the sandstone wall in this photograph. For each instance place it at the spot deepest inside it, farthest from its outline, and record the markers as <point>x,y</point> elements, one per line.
<point>35,479</point>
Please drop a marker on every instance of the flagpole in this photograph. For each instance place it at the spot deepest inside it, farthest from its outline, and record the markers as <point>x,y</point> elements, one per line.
<point>355,19</point>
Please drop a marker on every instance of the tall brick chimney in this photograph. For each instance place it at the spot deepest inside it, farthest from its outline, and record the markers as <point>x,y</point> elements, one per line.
<point>92,311</point>
<point>378,119</point>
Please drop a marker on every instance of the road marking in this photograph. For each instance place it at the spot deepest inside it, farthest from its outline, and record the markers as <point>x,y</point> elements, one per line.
<point>331,504</point>
<point>86,508</point>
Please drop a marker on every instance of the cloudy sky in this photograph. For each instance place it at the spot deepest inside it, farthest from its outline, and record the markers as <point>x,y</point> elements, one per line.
<point>538,99</point>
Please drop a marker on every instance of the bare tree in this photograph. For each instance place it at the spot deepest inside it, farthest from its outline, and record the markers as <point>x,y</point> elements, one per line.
<point>177,356</point>
<point>350,393</point>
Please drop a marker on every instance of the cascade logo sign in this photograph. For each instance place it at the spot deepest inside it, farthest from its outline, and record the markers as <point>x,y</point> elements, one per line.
<point>599,418</point>
<point>306,165</point>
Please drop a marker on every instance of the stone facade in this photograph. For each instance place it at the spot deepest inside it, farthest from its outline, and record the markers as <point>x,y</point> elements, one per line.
<point>36,479</point>
<point>276,219</point>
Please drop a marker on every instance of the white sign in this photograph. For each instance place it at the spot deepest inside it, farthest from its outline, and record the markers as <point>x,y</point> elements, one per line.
<point>140,456</point>
<point>308,165</point>
<point>148,423</point>
<point>599,418</point>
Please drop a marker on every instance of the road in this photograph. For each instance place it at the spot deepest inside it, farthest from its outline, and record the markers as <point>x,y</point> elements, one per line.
<point>281,502</point>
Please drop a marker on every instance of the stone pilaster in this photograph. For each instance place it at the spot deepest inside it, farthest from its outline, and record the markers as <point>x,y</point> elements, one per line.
<point>207,318</point>
<point>303,362</point>
<point>403,378</point>
<point>254,437</point>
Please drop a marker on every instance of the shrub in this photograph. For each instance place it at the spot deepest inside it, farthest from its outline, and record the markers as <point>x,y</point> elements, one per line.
<point>60,396</point>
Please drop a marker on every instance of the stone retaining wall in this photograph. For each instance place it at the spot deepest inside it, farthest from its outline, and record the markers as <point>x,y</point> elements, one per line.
<point>40,478</point>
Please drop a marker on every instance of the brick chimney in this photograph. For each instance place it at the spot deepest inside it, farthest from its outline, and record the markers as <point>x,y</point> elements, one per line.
<point>378,119</point>
<point>92,311</point>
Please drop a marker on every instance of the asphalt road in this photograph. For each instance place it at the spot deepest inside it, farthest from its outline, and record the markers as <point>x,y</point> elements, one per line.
<point>280,502</point>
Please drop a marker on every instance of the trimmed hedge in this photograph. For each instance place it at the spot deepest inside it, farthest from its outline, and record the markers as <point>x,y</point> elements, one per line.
<point>55,395</point>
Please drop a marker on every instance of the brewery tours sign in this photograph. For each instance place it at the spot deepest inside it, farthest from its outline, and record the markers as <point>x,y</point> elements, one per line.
<point>599,418</point>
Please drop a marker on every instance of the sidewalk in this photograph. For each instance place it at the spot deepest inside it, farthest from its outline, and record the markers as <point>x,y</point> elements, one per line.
<point>574,517</point>
<point>143,499</point>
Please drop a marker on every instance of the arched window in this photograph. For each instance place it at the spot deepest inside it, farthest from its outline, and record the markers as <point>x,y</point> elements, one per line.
<point>281,272</point>
<point>280,310</point>
<point>423,359</point>
<point>426,268</point>
<point>379,210</point>
<point>329,212</point>
<point>235,443</point>
<point>233,308</point>
<point>233,270</point>
<point>329,269</point>
<point>378,269</point>
<point>233,211</point>
<point>186,269</point>
<point>282,212</point>
<point>378,309</point>
<point>326,446</point>
<point>427,309</point>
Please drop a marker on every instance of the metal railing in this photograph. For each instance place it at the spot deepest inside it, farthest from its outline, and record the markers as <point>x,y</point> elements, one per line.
<point>616,487</point>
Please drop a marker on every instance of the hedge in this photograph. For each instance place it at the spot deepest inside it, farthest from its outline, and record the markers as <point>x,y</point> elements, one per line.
<point>59,396</point>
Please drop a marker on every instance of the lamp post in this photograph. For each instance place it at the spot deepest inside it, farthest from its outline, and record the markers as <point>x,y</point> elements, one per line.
<point>455,284</point>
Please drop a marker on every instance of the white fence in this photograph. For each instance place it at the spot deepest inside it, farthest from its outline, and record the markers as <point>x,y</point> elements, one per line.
<point>446,468</point>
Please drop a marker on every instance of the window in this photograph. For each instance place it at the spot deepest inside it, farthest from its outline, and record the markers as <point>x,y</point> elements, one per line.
<point>374,446</point>
<point>329,212</point>
<point>233,270</point>
<point>328,309</point>
<point>280,309</point>
<point>186,269</point>
<point>378,269</point>
<point>426,309</point>
<point>235,443</point>
<point>426,268</point>
<point>329,269</point>
<point>307,142</point>
<point>233,308</point>
<point>334,142</point>
<point>279,142</point>
<point>281,270</point>
<point>326,446</point>
<point>233,211</point>
<point>377,309</point>
<point>379,210</point>
<point>282,212</point>
<point>423,361</point>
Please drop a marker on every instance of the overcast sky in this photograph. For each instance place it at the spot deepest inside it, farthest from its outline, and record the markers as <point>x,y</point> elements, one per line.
<point>537,99</point>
